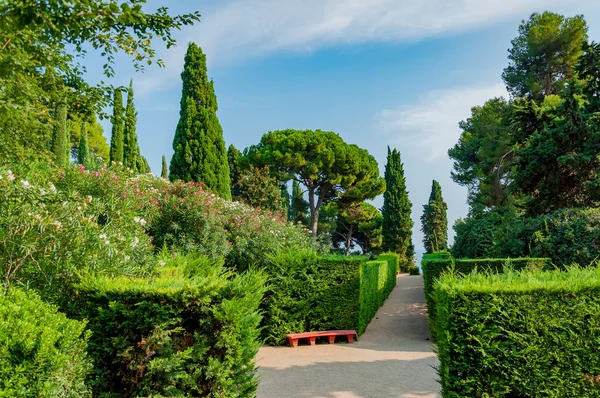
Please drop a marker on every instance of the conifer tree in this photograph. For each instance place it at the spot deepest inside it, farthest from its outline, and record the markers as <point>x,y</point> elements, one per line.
<point>142,165</point>
<point>235,171</point>
<point>434,222</point>
<point>83,149</point>
<point>131,150</point>
<point>116,139</point>
<point>298,205</point>
<point>200,153</point>
<point>60,139</point>
<point>397,224</point>
<point>164,173</point>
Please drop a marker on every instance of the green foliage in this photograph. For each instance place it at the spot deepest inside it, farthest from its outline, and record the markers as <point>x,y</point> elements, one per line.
<point>298,212</point>
<point>307,292</point>
<point>434,222</point>
<point>526,334</point>
<point>354,223</point>
<point>484,154</point>
<point>328,168</point>
<point>190,331</point>
<point>434,265</point>
<point>60,145</point>
<point>56,223</point>
<point>164,173</point>
<point>96,141</point>
<point>43,354</point>
<point>118,126</point>
<point>414,270</point>
<point>397,224</point>
<point>257,188</point>
<point>132,157</point>
<point>235,171</point>
<point>39,66</point>
<point>200,153</point>
<point>83,149</point>
<point>568,236</point>
<point>544,55</point>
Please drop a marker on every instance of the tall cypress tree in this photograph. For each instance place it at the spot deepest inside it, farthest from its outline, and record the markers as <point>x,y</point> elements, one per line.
<point>235,171</point>
<point>434,221</point>
<point>60,139</point>
<point>200,153</point>
<point>83,148</point>
<point>164,173</point>
<point>397,224</point>
<point>116,138</point>
<point>131,149</point>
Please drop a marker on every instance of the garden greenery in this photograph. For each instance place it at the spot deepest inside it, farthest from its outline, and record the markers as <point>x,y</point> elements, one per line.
<point>519,334</point>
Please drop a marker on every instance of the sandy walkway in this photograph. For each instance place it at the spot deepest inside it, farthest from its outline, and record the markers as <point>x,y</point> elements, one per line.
<point>392,358</point>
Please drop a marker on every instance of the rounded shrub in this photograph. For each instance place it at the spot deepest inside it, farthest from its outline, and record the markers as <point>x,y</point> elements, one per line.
<point>43,353</point>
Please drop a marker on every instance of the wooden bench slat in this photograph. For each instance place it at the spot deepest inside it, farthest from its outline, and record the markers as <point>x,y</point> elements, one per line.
<point>312,336</point>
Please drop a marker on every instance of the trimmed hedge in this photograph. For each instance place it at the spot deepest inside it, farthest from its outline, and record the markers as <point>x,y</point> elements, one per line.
<point>42,353</point>
<point>191,331</point>
<point>435,264</point>
<point>308,293</point>
<point>527,334</point>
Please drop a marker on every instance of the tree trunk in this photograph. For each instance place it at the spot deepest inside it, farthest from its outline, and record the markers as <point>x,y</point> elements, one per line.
<point>349,240</point>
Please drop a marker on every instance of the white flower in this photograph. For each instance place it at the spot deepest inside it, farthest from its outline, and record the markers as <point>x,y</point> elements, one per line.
<point>127,258</point>
<point>162,263</point>
<point>42,191</point>
<point>88,198</point>
<point>57,224</point>
<point>65,203</point>
<point>26,184</point>
<point>102,236</point>
<point>136,219</point>
<point>142,222</point>
<point>52,188</point>
<point>78,207</point>
<point>107,242</point>
<point>135,242</point>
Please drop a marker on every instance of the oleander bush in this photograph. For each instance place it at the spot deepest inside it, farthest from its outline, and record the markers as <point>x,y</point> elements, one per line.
<point>435,264</point>
<point>308,292</point>
<point>519,334</point>
<point>191,330</point>
<point>42,354</point>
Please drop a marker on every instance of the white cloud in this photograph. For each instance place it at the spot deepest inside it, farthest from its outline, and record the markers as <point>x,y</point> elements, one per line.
<point>431,125</point>
<point>248,28</point>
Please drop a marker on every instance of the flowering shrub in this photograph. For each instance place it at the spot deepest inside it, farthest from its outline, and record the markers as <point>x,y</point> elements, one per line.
<point>55,224</point>
<point>48,234</point>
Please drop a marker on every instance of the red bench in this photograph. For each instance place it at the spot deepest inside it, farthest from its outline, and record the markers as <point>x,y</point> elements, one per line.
<point>312,336</point>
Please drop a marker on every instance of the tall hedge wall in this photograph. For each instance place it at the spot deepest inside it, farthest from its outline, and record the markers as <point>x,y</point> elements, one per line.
<point>191,331</point>
<point>528,334</point>
<point>308,293</point>
<point>435,264</point>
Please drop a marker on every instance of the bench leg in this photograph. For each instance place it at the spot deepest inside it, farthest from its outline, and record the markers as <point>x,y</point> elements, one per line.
<point>293,342</point>
<point>350,338</point>
<point>312,340</point>
<point>331,339</point>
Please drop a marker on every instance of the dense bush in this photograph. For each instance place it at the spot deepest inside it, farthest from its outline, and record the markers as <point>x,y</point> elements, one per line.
<point>435,264</point>
<point>568,236</point>
<point>414,270</point>
<point>50,230</point>
<point>529,334</point>
<point>307,292</point>
<point>42,352</point>
<point>190,331</point>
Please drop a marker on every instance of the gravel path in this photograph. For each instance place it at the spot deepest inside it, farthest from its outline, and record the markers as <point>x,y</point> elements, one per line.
<point>393,358</point>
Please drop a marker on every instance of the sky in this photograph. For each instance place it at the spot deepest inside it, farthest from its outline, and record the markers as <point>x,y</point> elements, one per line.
<point>398,73</point>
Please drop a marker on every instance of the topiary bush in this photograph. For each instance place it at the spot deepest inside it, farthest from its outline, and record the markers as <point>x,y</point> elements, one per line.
<point>435,264</point>
<point>527,334</point>
<point>43,354</point>
<point>192,330</point>
<point>307,292</point>
<point>414,270</point>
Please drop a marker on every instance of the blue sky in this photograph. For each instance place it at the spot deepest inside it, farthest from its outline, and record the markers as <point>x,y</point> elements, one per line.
<point>381,72</point>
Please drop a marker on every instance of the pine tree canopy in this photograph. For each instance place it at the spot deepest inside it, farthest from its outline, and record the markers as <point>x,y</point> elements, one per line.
<point>118,126</point>
<point>434,222</point>
<point>83,149</point>
<point>200,153</point>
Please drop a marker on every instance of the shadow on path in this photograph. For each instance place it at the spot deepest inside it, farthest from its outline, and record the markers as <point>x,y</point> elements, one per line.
<point>393,358</point>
